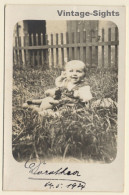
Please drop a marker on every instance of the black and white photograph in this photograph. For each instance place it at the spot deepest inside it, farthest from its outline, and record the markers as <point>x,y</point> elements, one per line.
<point>65,90</point>
<point>64,98</point>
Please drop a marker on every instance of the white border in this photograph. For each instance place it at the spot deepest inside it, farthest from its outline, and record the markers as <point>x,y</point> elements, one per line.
<point>2,53</point>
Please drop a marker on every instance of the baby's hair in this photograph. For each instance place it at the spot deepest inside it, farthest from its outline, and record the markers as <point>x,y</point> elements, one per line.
<point>78,62</point>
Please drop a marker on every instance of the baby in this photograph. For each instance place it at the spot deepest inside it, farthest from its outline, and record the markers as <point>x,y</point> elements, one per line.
<point>72,83</point>
<point>71,88</point>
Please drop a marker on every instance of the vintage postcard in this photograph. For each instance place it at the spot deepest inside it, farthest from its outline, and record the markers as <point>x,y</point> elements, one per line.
<point>64,108</point>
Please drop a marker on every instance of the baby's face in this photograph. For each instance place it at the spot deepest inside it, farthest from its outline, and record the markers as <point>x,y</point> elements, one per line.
<point>75,73</point>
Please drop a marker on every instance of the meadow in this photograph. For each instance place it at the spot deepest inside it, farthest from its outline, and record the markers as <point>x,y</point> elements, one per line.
<point>81,134</point>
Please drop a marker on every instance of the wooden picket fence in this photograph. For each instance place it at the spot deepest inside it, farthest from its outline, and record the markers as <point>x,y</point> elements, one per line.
<point>55,49</point>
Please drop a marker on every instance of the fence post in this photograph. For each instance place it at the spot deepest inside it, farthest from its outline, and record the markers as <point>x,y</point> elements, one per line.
<point>37,43</point>
<point>67,42</point>
<point>42,53</point>
<point>109,47</point>
<point>33,54</point>
<point>96,50</point>
<point>72,41</point>
<point>78,48</point>
<point>70,48</point>
<point>27,51</point>
<point>24,50</point>
<point>81,48</point>
<point>116,47</point>
<point>18,52</point>
<point>52,53</point>
<point>103,48</point>
<point>57,53</point>
<point>84,48</point>
<point>62,50</point>
<point>90,48</point>
<point>46,51</point>
<point>75,48</point>
<point>15,51</point>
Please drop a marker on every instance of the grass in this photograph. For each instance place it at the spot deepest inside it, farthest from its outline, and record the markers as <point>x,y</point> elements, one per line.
<point>85,134</point>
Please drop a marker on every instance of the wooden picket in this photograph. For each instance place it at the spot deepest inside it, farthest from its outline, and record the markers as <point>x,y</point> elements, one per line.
<point>42,50</point>
<point>116,46</point>
<point>109,47</point>
<point>102,47</point>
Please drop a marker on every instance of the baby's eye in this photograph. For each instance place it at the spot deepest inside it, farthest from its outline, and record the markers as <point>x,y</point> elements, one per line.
<point>79,71</point>
<point>70,70</point>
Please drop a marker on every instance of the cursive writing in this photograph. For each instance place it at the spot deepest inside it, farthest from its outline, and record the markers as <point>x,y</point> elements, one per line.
<point>50,177</point>
<point>39,168</point>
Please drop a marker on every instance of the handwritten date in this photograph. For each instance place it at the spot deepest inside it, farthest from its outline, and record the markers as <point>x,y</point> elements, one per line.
<point>71,186</point>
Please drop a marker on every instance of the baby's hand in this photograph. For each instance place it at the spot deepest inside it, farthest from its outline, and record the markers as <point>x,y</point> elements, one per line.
<point>63,74</point>
<point>59,80</point>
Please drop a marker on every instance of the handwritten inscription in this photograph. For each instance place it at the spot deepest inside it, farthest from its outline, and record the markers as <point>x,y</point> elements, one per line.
<point>50,178</point>
<point>39,169</point>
